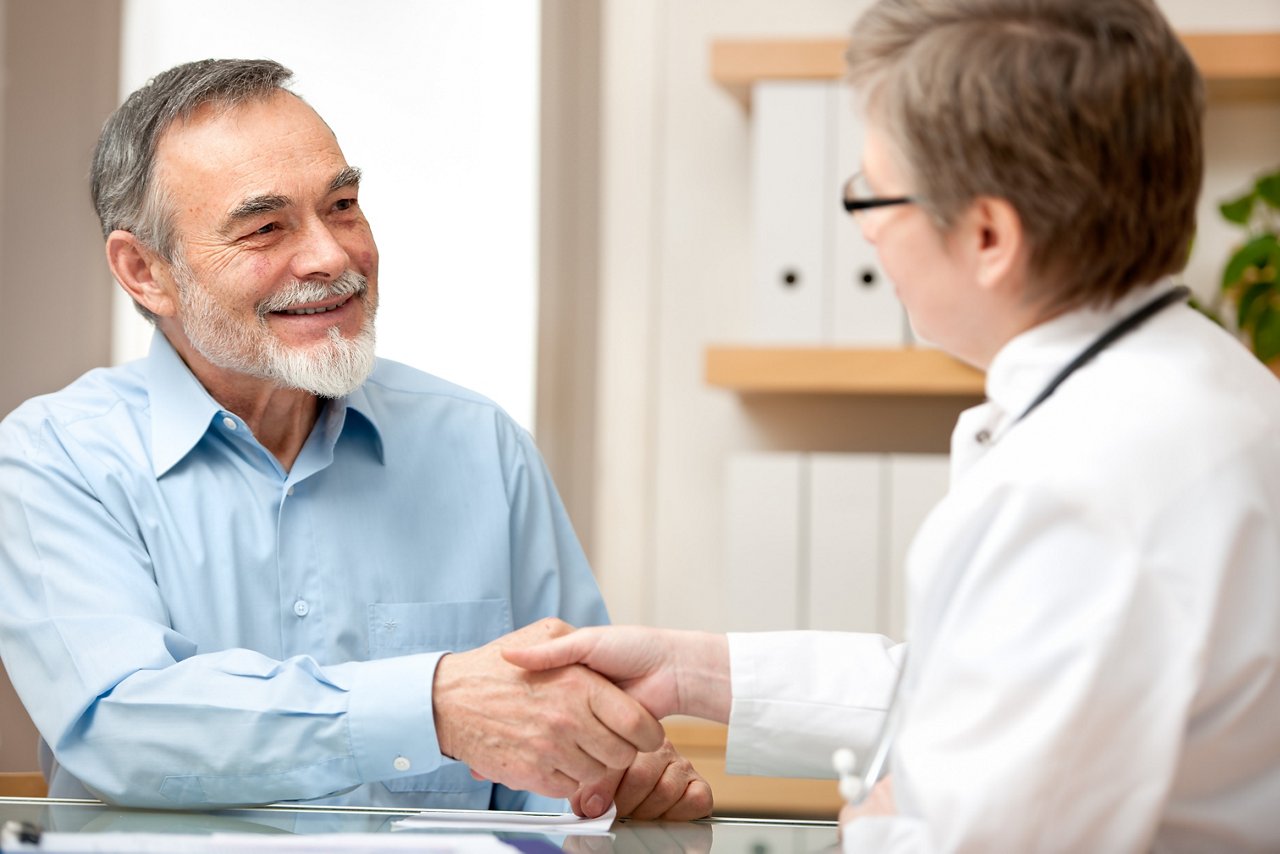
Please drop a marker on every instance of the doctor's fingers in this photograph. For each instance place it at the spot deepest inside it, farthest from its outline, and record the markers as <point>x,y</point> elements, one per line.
<point>622,653</point>
<point>557,651</point>
<point>622,714</point>
<point>658,784</point>
<point>676,793</point>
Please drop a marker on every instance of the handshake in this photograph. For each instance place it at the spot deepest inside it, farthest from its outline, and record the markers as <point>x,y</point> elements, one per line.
<point>575,714</point>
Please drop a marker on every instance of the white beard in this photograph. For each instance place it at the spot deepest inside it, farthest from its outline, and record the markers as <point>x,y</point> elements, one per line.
<point>332,368</point>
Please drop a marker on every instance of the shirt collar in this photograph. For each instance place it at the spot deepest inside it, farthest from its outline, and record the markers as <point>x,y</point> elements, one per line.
<point>359,403</point>
<point>1027,363</point>
<point>182,408</point>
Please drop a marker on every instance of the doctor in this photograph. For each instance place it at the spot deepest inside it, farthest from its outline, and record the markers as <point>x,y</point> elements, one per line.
<point>1095,653</point>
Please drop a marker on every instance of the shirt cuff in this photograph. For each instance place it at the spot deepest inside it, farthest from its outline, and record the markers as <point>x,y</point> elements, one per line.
<point>390,716</point>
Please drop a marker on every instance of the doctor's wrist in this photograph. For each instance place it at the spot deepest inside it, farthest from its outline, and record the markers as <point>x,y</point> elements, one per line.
<point>702,674</point>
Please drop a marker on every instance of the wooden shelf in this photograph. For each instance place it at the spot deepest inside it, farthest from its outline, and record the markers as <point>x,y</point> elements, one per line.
<point>703,744</point>
<point>829,370</point>
<point>1237,67</point>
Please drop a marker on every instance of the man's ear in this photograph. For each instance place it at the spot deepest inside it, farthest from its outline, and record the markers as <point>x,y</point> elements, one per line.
<point>143,274</point>
<point>998,243</point>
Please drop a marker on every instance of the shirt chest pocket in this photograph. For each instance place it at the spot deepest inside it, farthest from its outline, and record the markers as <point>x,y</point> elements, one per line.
<point>404,628</point>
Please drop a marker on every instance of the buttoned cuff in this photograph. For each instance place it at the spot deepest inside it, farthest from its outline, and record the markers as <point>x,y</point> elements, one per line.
<point>390,716</point>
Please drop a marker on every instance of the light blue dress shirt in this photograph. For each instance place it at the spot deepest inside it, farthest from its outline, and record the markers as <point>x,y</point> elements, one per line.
<point>190,625</point>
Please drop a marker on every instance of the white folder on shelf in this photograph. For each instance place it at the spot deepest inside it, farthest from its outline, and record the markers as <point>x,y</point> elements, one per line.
<point>791,194</point>
<point>762,540</point>
<point>864,311</point>
<point>846,533</point>
<point>916,483</point>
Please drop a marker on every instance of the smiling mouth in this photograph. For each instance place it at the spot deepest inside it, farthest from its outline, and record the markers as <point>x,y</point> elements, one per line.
<point>315,310</point>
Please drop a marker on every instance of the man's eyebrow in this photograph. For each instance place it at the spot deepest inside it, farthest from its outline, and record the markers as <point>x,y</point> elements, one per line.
<point>258,205</point>
<point>254,206</point>
<point>349,177</point>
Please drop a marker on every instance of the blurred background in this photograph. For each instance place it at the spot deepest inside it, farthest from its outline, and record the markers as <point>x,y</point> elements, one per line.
<point>561,194</point>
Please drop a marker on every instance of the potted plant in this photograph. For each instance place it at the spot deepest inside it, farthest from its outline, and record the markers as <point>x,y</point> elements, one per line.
<point>1251,279</point>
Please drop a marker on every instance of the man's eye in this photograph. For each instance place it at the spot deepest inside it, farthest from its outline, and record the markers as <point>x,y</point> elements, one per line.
<point>266,229</point>
<point>344,204</point>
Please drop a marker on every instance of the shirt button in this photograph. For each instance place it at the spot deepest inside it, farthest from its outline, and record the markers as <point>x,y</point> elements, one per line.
<point>230,423</point>
<point>301,608</point>
<point>290,490</point>
<point>401,763</point>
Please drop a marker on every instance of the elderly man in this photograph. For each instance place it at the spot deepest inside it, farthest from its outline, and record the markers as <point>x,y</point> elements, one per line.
<point>234,571</point>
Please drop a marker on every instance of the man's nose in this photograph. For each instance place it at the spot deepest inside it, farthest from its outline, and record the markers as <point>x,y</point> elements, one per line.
<point>319,253</point>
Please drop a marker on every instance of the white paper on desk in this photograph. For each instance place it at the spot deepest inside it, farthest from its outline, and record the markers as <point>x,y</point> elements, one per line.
<point>498,820</point>
<point>260,843</point>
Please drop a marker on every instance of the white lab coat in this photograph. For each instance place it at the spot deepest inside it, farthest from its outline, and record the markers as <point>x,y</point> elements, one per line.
<point>1094,613</point>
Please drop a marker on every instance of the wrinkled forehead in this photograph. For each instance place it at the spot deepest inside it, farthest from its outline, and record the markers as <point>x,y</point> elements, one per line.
<point>219,155</point>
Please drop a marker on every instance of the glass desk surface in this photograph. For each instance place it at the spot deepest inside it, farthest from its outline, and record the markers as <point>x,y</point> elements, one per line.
<point>723,835</point>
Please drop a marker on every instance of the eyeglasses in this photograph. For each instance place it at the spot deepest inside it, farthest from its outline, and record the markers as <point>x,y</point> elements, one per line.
<point>858,196</point>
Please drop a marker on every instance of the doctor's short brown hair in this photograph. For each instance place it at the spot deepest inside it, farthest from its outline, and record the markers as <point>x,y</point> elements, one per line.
<point>1085,115</point>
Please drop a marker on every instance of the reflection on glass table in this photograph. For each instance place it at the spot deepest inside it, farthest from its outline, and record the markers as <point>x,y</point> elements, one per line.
<point>725,836</point>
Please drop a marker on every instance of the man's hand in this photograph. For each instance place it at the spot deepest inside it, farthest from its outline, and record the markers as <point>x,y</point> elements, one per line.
<point>660,785</point>
<point>668,671</point>
<point>545,731</point>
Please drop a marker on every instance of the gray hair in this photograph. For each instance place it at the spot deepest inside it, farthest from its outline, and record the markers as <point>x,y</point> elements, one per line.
<point>125,194</point>
<point>1084,114</point>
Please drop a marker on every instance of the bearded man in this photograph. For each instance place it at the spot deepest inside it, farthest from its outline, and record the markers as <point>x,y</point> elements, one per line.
<point>263,565</point>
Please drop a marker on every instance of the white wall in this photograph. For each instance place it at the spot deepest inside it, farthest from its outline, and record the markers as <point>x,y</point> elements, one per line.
<point>437,103</point>
<point>676,277</point>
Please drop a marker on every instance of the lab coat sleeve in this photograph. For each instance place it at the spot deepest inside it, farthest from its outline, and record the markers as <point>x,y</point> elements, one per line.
<point>133,708</point>
<point>1049,710</point>
<point>797,696</point>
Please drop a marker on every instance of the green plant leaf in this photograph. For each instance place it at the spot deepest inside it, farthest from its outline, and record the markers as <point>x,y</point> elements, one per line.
<point>1266,336</point>
<point>1268,189</point>
<point>1239,210</point>
<point>1253,302</point>
<point>1259,252</point>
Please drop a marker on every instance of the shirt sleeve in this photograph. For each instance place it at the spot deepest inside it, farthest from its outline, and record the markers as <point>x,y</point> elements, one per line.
<point>798,696</point>
<point>1049,705</point>
<point>133,708</point>
<point>550,576</point>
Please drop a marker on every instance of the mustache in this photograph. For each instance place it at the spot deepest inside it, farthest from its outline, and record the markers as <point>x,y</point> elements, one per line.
<point>300,292</point>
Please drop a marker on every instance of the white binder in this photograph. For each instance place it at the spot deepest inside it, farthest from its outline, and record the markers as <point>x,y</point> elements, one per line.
<point>791,198</point>
<point>863,309</point>
<point>762,541</point>
<point>917,482</point>
<point>846,531</point>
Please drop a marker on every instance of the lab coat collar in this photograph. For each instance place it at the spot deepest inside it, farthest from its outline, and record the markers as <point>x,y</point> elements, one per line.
<point>1028,362</point>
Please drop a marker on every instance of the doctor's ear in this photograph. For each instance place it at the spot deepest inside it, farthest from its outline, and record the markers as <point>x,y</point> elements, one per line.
<point>142,273</point>
<point>994,233</point>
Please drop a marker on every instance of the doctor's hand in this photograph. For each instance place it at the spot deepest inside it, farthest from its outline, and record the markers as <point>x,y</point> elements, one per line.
<point>668,671</point>
<point>546,731</point>
<point>879,802</point>
<point>659,785</point>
